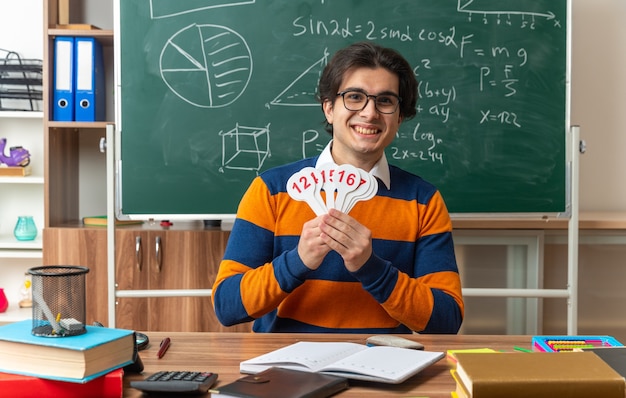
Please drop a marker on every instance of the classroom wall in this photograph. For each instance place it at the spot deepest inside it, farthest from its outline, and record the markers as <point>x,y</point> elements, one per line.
<point>599,100</point>
<point>598,106</point>
<point>14,19</point>
<point>598,94</point>
<point>20,31</point>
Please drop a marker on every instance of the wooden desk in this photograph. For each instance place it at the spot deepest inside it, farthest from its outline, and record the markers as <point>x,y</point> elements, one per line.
<point>222,352</point>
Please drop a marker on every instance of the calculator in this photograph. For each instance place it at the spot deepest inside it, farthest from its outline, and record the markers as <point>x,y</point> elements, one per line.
<point>180,382</point>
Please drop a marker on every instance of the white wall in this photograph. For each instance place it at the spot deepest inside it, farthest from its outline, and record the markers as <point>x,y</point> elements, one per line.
<point>21,30</point>
<point>598,96</point>
<point>21,27</point>
<point>599,100</point>
<point>598,106</point>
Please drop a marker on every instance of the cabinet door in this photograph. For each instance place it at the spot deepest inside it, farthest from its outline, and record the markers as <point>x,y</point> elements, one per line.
<point>82,247</point>
<point>186,260</point>
<point>131,273</point>
<point>171,259</point>
<point>178,260</point>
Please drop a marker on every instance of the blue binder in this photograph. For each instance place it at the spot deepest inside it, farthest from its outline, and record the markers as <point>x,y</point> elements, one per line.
<point>89,102</point>
<point>63,80</point>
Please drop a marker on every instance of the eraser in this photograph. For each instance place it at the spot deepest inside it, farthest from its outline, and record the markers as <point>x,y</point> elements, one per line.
<point>71,324</point>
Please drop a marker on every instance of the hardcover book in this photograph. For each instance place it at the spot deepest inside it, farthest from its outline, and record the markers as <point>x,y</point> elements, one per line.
<point>537,375</point>
<point>614,356</point>
<point>351,360</point>
<point>71,358</point>
<point>15,171</point>
<point>109,385</point>
<point>282,383</point>
<point>102,221</point>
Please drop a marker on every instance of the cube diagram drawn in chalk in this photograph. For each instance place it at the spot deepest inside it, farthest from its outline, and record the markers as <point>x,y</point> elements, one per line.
<point>245,148</point>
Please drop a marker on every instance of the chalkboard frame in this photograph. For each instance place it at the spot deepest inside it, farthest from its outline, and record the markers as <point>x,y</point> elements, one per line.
<point>562,211</point>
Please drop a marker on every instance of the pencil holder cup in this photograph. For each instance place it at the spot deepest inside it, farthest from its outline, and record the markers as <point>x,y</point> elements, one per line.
<point>58,300</point>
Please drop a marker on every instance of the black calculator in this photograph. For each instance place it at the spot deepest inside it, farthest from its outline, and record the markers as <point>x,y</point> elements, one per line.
<point>180,382</point>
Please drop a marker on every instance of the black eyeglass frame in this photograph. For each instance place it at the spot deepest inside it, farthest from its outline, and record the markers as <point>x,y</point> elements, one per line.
<point>368,96</point>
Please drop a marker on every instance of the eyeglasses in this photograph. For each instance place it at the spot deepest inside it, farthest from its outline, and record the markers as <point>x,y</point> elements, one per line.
<point>357,101</point>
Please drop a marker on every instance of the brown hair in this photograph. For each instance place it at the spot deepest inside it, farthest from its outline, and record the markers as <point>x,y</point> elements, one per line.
<point>369,55</point>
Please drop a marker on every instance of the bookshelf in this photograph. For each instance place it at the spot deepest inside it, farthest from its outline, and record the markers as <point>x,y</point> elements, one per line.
<point>75,168</point>
<point>21,123</point>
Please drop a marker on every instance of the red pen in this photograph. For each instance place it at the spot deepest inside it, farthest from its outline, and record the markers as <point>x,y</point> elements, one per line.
<point>165,344</point>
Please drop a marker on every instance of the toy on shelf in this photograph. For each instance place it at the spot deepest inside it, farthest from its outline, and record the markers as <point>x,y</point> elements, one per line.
<point>26,298</point>
<point>16,162</point>
<point>18,156</point>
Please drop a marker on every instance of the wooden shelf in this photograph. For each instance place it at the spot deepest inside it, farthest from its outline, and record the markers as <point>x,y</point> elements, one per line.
<point>13,248</point>
<point>79,125</point>
<point>21,114</point>
<point>15,314</point>
<point>35,180</point>
<point>105,36</point>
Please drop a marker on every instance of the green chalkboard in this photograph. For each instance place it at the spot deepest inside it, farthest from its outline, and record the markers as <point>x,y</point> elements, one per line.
<point>213,92</point>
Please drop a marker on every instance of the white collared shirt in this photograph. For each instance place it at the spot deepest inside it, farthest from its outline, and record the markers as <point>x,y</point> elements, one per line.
<point>380,169</point>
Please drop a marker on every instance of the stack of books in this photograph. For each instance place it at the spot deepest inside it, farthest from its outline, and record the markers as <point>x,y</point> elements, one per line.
<point>535,374</point>
<point>86,365</point>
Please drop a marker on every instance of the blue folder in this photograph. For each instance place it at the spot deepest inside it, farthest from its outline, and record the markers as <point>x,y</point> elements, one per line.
<point>63,80</point>
<point>89,101</point>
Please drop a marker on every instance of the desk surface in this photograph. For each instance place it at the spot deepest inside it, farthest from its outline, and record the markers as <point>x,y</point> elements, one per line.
<point>221,353</point>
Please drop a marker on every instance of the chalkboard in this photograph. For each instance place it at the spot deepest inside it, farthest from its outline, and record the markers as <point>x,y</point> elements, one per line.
<point>213,92</point>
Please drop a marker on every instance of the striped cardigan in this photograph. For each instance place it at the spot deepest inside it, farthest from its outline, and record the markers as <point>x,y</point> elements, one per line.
<point>410,283</point>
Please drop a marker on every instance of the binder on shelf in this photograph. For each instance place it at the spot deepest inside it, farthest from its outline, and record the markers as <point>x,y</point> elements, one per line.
<point>89,102</point>
<point>63,84</point>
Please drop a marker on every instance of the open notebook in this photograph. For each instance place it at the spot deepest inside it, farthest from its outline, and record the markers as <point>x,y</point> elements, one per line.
<point>354,361</point>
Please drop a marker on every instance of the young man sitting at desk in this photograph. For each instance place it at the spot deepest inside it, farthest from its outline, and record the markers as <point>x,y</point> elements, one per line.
<point>387,267</point>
